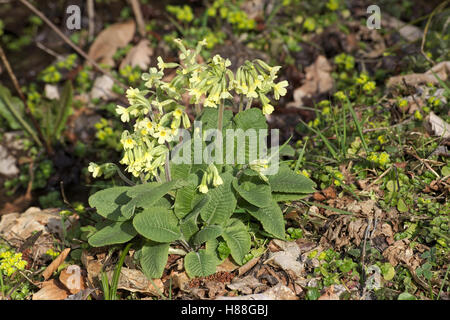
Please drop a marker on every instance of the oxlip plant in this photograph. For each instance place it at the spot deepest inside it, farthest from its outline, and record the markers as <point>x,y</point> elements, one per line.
<point>189,208</point>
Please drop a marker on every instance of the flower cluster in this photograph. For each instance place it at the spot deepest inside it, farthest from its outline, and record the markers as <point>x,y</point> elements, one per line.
<point>52,73</point>
<point>367,86</point>
<point>418,115</point>
<point>402,104</point>
<point>10,262</point>
<point>333,5</point>
<point>232,14</point>
<point>158,112</point>
<point>50,252</point>
<point>183,13</point>
<point>382,139</point>
<point>381,159</point>
<point>340,95</point>
<point>211,176</point>
<point>433,101</point>
<point>107,135</point>
<point>345,60</point>
<point>310,24</point>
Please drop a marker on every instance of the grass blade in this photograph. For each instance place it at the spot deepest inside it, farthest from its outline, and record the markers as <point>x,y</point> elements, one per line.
<point>5,96</point>
<point>64,109</point>
<point>358,126</point>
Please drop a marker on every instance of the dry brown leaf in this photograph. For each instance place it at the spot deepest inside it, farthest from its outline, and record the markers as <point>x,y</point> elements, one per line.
<point>401,252</point>
<point>329,192</point>
<point>55,264</point>
<point>116,36</point>
<point>227,266</point>
<point>51,290</point>
<point>407,31</point>
<point>73,279</point>
<point>103,88</point>
<point>82,295</point>
<point>51,92</point>
<point>244,285</point>
<point>139,55</point>
<point>8,165</point>
<point>287,259</point>
<point>440,127</point>
<point>180,280</point>
<point>253,8</point>
<point>329,294</point>
<point>18,205</point>
<point>368,206</point>
<point>135,281</point>
<point>442,69</point>
<point>15,225</point>
<point>215,288</point>
<point>318,196</point>
<point>356,229</point>
<point>318,81</point>
<point>92,265</point>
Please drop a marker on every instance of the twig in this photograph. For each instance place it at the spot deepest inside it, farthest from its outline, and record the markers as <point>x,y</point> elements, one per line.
<point>63,194</point>
<point>380,177</point>
<point>30,183</point>
<point>70,43</point>
<point>139,17</point>
<point>366,235</point>
<point>91,14</point>
<point>24,100</point>
<point>49,51</point>
<point>425,163</point>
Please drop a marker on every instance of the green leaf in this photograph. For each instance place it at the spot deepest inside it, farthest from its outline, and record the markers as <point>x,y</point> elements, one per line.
<point>211,247</point>
<point>180,171</point>
<point>164,202</point>
<point>15,103</point>
<point>250,119</point>
<point>210,116</point>
<point>153,259</point>
<point>247,142</point>
<point>12,106</point>
<point>157,224</point>
<point>271,219</point>
<point>188,228</point>
<point>287,151</point>
<point>406,296</point>
<point>445,171</point>
<point>288,181</point>
<point>238,239</point>
<point>200,264</point>
<point>401,206</point>
<point>189,224</point>
<point>206,234</point>
<point>387,271</point>
<point>186,197</point>
<point>284,197</point>
<point>114,233</point>
<point>313,293</point>
<point>222,204</point>
<point>254,191</point>
<point>108,203</point>
<point>147,195</point>
<point>136,190</point>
